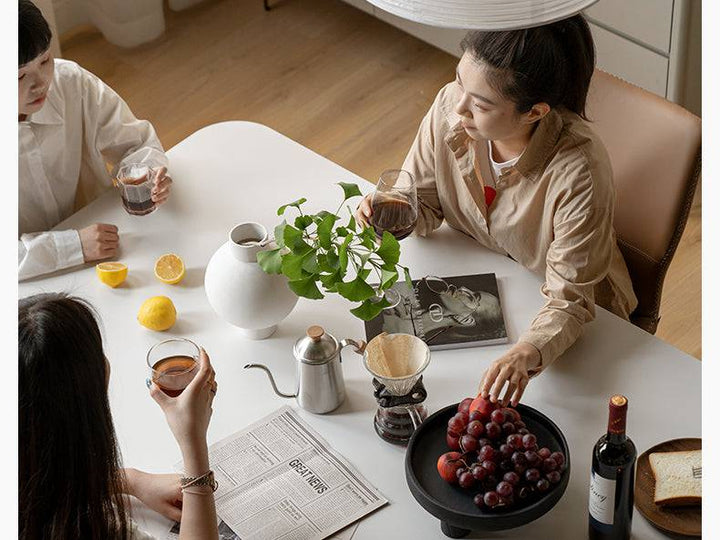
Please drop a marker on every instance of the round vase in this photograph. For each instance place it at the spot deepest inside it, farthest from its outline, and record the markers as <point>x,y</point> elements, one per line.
<point>240,291</point>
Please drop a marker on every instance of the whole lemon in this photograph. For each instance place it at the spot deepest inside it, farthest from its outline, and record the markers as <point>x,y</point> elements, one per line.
<point>157,313</point>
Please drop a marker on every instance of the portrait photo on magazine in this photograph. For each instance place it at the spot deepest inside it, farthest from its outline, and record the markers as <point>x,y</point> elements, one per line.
<point>449,312</point>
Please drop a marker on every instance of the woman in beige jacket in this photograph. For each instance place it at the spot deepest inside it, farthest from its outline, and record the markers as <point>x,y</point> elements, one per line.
<point>506,156</point>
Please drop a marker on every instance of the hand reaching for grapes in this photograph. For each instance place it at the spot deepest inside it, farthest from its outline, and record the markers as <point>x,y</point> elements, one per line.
<point>512,369</point>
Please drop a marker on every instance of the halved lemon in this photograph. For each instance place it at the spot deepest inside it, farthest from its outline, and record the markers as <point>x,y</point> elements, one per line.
<point>111,274</point>
<point>170,269</point>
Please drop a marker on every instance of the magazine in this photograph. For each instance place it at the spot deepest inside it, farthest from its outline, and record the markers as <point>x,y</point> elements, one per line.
<point>446,313</point>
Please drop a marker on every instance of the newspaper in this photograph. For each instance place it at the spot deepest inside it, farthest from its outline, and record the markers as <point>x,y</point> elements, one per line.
<point>278,479</point>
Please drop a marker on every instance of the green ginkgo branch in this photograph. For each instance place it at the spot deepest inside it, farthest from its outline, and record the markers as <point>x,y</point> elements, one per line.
<point>318,252</point>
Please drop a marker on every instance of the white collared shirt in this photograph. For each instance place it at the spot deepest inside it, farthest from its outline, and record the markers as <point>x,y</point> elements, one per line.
<point>68,152</point>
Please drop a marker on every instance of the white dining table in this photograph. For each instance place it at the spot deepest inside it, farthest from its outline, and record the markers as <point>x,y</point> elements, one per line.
<point>233,172</point>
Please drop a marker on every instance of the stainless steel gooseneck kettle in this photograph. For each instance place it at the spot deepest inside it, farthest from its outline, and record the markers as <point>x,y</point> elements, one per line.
<point>320,387</point>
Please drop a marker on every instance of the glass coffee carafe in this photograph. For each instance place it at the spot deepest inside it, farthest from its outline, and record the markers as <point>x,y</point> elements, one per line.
<point>397,362</point>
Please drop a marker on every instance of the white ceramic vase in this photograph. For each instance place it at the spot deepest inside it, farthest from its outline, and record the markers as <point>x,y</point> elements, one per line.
<point>238,289</point>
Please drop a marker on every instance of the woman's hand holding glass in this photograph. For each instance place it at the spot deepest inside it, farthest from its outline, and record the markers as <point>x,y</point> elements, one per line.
<point>161,186</point>
<point>392,207</point>
<point>512,370</point>
<point>364,211</point>
<point>188,414</point>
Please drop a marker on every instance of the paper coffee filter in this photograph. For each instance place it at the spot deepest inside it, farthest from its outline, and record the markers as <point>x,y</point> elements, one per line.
<point>396,360</point>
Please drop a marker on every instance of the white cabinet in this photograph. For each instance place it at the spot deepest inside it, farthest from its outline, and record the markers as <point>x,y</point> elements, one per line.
<point>648,22</point>
<point>638,65</point>
<point>654,44</point>
<point>647,42</point>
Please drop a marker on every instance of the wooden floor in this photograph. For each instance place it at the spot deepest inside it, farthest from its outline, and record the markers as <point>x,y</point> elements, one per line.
<point>331,77</point>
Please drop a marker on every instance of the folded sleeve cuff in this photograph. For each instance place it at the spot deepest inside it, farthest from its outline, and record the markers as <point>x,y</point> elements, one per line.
<point>68,248</point>
<point>543,343</point>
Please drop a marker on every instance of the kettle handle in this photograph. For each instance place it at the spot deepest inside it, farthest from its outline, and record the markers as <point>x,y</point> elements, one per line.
<point>358,346</point>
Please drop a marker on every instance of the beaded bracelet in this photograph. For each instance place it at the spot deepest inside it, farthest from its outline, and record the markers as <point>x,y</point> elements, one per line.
<point>207,479</point>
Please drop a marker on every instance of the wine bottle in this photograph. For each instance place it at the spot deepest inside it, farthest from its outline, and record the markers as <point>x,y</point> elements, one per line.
<point>612,478</point>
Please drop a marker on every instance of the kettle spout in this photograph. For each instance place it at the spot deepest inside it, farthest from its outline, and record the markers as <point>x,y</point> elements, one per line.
<point>272,380</point>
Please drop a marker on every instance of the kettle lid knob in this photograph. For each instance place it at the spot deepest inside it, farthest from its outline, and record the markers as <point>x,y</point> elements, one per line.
<point>315,333</point>
<point>316,347</point>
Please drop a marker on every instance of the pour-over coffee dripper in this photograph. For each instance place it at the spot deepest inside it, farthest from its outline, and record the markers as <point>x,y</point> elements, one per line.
<point>397,362</point>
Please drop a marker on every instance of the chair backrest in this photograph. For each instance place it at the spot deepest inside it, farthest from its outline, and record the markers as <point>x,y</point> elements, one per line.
<point>654,148</point>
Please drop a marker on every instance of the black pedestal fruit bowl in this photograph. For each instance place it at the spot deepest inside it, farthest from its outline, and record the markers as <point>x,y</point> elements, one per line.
<point>452,505</point>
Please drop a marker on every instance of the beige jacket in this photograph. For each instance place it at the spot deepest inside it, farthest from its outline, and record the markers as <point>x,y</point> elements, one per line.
<point>553,213</point>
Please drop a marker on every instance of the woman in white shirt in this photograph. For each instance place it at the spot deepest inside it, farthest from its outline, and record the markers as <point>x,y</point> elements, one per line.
<point>71,484</point>
<point>72,128</point>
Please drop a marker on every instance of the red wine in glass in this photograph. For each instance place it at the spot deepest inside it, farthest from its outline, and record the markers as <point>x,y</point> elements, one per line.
<point>394,204</point>
<point>395,216</point>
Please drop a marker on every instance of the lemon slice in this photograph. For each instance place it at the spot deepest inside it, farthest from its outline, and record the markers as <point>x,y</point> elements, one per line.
<point>157,313</point>
<point>170,269</point>
<point>111,274</point>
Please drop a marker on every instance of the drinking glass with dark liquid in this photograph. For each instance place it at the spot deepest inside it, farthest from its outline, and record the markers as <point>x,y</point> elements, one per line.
<point>173,363</point>
<point>135,182</point>
<point>394,204</point>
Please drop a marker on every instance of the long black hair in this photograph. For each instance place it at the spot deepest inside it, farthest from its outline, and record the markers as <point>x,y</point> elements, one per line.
<point>33,32</point>
<point>70,482</point>
<point>552,63</point>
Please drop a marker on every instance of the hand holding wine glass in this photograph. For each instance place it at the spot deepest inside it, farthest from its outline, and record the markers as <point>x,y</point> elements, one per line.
<point>392,206</point>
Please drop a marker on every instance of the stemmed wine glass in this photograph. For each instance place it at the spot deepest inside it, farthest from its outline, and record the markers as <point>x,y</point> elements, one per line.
<point>394,204</point>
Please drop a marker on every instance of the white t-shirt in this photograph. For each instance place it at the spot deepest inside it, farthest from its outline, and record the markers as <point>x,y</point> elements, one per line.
<point>64,152</point>
<point>498,167</point>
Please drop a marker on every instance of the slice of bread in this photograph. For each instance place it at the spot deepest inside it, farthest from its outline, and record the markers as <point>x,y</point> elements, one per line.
<point>678,477</point>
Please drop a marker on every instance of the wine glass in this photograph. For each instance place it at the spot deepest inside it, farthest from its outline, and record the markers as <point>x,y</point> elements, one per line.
<point>394,204</point>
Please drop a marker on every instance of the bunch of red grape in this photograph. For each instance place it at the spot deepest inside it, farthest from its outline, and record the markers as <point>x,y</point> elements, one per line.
<point>495,455</point>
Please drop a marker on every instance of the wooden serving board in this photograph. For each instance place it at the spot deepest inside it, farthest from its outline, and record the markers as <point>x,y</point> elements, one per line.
<point>685,520</point>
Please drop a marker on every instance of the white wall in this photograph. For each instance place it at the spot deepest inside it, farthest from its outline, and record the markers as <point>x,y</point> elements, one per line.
<point>69,14</point>
<point>47,10</point>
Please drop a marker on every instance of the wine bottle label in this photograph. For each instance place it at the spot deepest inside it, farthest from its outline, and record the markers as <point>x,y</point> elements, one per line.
<point>602,498</point>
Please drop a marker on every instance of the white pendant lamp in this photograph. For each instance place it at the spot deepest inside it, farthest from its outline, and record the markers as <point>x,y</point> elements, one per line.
<point>483,14</point>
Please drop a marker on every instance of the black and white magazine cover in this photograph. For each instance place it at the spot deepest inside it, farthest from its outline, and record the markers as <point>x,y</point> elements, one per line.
<point>445,312</point>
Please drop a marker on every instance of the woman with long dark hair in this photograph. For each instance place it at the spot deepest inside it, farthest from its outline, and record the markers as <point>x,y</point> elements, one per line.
<point>506,156</point>
<point>71,482</point>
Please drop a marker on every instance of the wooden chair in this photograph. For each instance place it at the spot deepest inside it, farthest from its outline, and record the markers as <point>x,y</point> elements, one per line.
<point>654,148</point>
